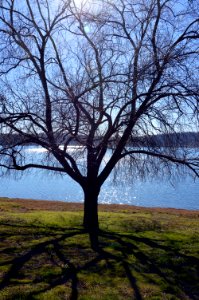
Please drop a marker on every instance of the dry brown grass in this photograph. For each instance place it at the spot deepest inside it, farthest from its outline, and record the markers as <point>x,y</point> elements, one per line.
<point>24,205</point>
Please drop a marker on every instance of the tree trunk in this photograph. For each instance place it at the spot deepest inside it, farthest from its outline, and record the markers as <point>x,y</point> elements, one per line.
<point>91,208</point>
<point>91,224</point>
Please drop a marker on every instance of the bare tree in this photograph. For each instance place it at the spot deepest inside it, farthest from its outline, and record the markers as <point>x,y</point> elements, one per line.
<point>99,76</point>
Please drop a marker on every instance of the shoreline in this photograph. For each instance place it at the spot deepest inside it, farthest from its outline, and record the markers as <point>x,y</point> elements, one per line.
<point>57,205</point>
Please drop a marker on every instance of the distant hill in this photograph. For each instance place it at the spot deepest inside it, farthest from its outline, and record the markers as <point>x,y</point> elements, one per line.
<point>9,139</point>
<point>180,139</point>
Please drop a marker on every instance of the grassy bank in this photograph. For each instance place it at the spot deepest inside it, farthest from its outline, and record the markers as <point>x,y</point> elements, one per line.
<point>145,253</point>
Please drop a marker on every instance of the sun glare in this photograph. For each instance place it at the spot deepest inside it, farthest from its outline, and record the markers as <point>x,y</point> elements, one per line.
<point>91,5</point>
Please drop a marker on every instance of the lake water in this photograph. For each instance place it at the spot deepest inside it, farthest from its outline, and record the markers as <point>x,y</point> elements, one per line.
<point>35,184</point>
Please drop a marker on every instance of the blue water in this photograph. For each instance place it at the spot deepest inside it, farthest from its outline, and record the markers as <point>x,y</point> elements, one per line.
<point>154,192</point>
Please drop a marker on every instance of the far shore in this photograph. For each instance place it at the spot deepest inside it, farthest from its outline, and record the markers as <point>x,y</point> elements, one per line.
<point>48,205</point>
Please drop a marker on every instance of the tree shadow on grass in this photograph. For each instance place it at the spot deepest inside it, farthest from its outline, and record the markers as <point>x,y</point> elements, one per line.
<point>179,273</point>
<point>140,261</point>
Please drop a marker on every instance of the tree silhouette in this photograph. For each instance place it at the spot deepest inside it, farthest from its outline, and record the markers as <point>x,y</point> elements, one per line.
<point>98,76</point>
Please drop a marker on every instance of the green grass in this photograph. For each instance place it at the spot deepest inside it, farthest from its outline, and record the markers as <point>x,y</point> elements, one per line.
<point>144,254</point>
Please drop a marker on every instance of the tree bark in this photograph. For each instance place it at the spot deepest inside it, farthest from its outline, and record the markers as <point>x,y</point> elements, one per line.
<point>91,223</point>
<point>91,208</point>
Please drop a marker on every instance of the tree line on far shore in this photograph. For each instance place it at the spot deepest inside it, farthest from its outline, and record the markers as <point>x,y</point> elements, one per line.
<point>180,139</point>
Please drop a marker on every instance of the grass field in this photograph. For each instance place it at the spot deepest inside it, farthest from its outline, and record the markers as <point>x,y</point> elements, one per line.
<point>144,253</point>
